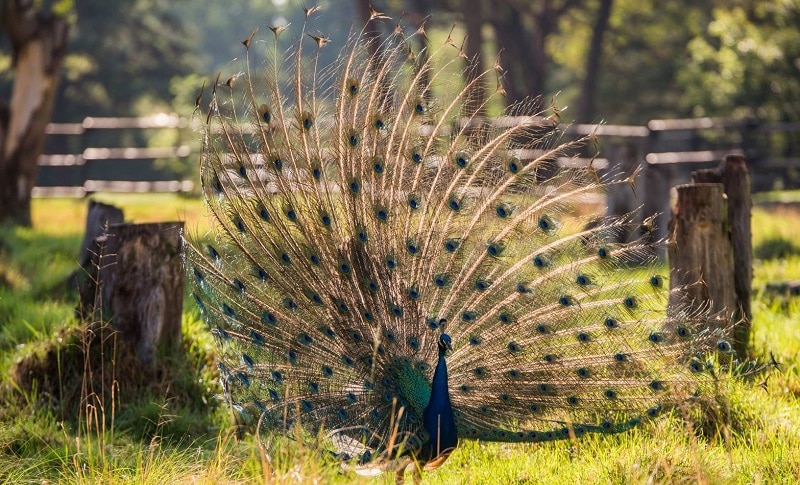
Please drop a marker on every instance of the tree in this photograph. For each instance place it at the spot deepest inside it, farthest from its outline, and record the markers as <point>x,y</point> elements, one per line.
<point>38,41</point>
<point>123,58</point>
<point>746,62</point>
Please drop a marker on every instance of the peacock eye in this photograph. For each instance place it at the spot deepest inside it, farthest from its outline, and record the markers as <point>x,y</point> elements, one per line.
<point>352,86</point>
<point>307,120</point>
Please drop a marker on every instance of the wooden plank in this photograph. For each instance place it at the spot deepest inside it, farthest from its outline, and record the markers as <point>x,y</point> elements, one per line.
<point>63,160</point>
<point>138,186</point>
<point>160,120</point>
<point>59,192</point>
<point>701,156</point>
<point>64,129</point>
<point>694,124</point>
<point>136,153</point>
<point>628,131</point>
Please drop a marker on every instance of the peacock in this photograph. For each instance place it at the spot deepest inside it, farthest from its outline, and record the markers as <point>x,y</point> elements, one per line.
<point>393,271</point>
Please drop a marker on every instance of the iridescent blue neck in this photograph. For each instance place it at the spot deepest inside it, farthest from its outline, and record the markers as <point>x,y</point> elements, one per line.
<point>438,416</point>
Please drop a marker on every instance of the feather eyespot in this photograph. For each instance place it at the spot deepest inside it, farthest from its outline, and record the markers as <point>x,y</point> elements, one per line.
<point>461,159</point>
<point>396,310</point>
<point>307,120</point>
<point>540,261</point>
<point>495,249</point>
<point>353,138</point>
<point>264,114</point>
<point>352,86</point>
<point>451,245</point>
<point>547,224</point>
<point>382,213</point>
<point>378,166</point>
<point>325,219</point>
<point>657,281</point>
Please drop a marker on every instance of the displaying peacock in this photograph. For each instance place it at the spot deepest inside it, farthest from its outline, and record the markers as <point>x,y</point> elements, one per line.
<point>395,272</point>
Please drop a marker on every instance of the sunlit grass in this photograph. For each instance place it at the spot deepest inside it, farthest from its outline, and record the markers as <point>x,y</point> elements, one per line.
<point>184,433</point>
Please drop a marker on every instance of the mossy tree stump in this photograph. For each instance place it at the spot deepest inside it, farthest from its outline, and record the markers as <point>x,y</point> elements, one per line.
<point>136,282</point>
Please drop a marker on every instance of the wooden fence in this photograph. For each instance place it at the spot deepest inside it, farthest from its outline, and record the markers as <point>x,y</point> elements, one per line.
<point>116,154</point>
<point>113,155</point>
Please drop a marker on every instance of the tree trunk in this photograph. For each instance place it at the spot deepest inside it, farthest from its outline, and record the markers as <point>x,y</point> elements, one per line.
<point>585,110</point>
<point>136,281</point>
<point>38,43</point>
<point>475,102</point>
<point>522,28</point>
<point>514,44</point>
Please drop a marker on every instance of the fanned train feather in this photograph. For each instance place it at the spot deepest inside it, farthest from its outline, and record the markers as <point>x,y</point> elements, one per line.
<point>370,235</point>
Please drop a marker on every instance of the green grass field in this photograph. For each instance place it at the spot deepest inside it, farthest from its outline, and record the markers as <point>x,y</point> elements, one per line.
<point>99,420</point>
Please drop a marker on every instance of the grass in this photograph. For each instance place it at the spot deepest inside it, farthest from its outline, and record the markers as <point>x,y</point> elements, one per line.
<point>93,423</point>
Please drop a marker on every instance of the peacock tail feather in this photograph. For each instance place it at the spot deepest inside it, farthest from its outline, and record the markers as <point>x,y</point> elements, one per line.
<point>358,220</point>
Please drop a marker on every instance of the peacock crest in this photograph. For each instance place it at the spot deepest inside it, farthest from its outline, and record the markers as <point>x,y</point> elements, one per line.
<point>396,271</point>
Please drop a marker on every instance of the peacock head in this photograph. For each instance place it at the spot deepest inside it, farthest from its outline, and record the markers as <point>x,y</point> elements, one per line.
<point>444,344</point>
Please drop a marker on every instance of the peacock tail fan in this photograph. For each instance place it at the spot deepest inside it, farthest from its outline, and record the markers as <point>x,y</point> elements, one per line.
<point>358,217</point>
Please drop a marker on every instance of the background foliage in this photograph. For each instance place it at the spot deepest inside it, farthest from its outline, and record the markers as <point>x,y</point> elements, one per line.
<point>657,59</point>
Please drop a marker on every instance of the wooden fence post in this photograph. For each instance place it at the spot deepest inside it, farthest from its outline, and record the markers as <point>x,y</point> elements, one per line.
<point>710,251</point>
<point>735,178</point>
<point>136,281</point>
<point>700,256</point>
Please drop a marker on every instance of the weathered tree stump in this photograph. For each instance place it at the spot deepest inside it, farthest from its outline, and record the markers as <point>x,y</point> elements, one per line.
<point>136,282</point>
<point>710,251</point>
